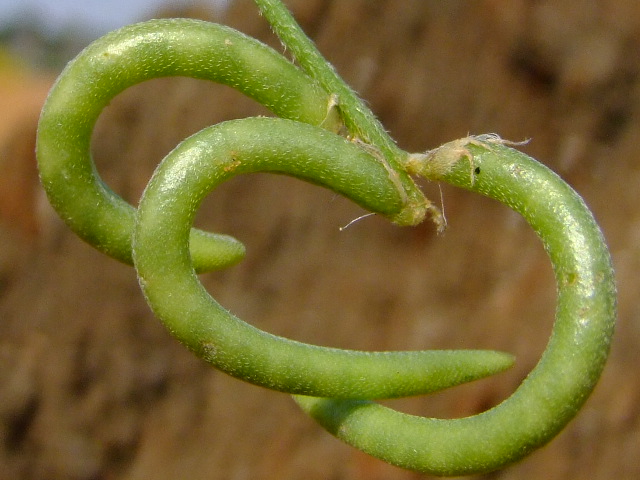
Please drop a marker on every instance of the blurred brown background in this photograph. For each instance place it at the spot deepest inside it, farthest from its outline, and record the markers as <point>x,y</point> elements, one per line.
<point>93,388</point>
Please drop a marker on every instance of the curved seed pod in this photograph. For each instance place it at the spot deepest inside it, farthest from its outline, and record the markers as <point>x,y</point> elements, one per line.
<point>568,371</point>
<point>131,55</point>
<point>165,215</point>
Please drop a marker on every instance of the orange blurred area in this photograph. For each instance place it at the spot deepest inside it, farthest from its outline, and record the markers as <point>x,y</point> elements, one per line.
<point>22,94</point>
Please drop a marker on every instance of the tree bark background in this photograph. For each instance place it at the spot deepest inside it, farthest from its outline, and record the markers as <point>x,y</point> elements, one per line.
<point>91,385</point>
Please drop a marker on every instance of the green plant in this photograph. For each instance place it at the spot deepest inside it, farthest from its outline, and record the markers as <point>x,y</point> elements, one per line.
<point>324,135</point>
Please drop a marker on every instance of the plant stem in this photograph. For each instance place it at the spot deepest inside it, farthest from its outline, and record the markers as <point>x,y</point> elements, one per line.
<point>362,124</point>
<point>359,119</point>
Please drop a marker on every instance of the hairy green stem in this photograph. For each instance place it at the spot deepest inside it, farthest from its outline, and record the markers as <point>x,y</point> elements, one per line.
<point>358,118</point>
<point>574,358</point>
